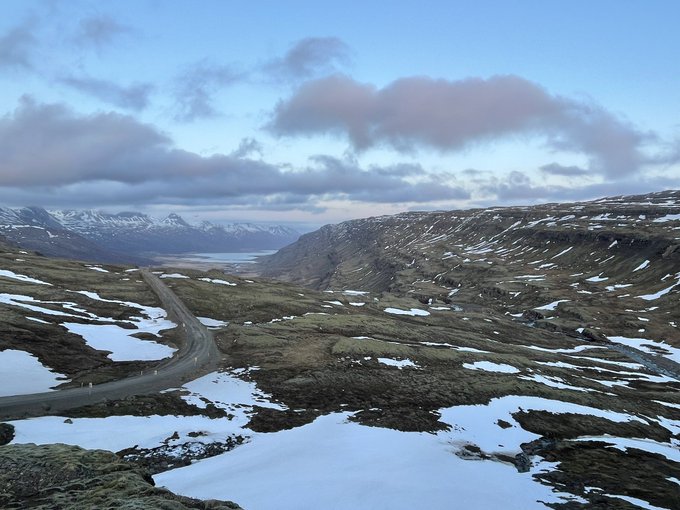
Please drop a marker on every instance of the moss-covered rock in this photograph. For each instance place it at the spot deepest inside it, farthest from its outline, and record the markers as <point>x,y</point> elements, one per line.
<point>69,477</point>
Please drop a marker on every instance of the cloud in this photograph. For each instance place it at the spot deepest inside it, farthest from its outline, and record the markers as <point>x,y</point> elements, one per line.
<point>99,31</point>
<point>247,147</point>
<point>58,157</point>
<point>16,47</point>
<point>308,57</point>
<point>196,86</point>
<point>520,188</point>
<point>49,145</point>
<point>566,171</point>
<point>416,112</point>
<point>133,97</point>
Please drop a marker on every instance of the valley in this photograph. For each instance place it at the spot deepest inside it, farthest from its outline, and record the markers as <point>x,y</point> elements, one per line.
<point>521,357</point>
<point>132,237</point>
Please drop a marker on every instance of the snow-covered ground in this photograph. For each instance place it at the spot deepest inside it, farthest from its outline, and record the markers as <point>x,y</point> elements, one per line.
<point>399,363</point>
<point>21,277</point>
<point>118,340</point>
<point>212,323</point>
<point>105,333</point>
<point>488,366</point>
<point>174,275</point>
<point>649,346</point>
<point>334,462</point>
<point>22,373</point>
<point>412,311</point>
<point>551,306</point>
<point>217,281</point>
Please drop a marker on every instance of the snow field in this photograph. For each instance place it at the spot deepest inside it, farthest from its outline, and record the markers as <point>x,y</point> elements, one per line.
<point>488,366</point>
<point>412,312</point>
<point>22,373</point>
<point>106,333</point>
<point>20,277</point>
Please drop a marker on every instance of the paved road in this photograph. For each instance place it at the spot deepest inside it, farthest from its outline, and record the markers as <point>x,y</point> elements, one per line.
<point>197,355</point>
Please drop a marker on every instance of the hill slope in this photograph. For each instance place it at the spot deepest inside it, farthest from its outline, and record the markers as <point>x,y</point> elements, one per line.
<point>599,258</point>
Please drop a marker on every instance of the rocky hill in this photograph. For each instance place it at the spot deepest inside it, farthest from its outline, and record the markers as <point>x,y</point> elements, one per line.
<point>513,259</point>
<point>62,476</point>
<point>552,391</point>
<point>130,236</point>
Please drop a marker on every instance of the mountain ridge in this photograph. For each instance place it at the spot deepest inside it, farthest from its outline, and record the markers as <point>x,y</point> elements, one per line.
<point>130,236</point>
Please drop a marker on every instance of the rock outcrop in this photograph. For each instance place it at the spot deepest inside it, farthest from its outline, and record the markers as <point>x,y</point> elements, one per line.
<point>69,477</point>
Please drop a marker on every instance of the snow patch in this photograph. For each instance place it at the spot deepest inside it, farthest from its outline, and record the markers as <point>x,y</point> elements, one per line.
<point>22,373</point>
<point>488,366</point>
<point>412,311</point>
<point>21,277</point>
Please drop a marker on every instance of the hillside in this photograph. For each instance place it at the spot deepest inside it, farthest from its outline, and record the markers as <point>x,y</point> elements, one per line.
<point>598,258</point>
<point>130,236</point>
<point>500,384</point>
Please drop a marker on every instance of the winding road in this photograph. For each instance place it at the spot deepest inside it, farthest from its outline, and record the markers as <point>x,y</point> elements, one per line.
<point>197,355</point>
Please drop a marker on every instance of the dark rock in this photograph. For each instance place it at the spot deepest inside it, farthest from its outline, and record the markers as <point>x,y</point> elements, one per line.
<point>6,433</point>
<point>593,335</point>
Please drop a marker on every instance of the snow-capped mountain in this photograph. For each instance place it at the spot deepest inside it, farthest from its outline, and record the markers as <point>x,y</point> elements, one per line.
<point>128,235</point>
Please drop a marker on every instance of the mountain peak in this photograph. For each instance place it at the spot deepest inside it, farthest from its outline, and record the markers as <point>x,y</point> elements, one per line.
<point>175,220</point>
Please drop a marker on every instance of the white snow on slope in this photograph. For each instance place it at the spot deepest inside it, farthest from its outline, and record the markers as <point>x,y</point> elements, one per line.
<point>106,333</point>
<point>120,342</point>
<point>488,366</point>
<point>341,465</point>
<point>553,382</point>
<point>20,277</point>
<point>29,303</point>
<point>354,292</point>
<point>174,275</point>
<point>22,373</point>
<point>662,292</point>
<point>642,266</point>
<point>223,389</point>
<point>212,323</point>
<point>412,311</point>
<point>649,346</point>
<point>219,282</point>
<point>552,306</point>
<point>344,465</point>
<point>117,432</point>
<point>668,217</point>
<point>227,391</point>
<point>403,363</point>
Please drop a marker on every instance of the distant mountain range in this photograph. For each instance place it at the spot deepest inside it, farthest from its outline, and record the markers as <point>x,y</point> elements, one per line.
<point>130,236</point>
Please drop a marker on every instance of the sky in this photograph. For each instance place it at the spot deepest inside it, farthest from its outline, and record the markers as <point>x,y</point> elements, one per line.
<point>307,113</point>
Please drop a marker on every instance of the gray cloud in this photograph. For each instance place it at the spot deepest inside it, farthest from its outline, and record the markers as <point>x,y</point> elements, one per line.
<point>16,47</point>
<point>55,156</point>
<point>196,87</point>
<point>133,97</point>
<point>520,188</point>
<point>453,115</point>
<point>247,147</point>
<point>47,144</point>
<point>99,31</point>
<point>309,57</point>
<point>566,171</point>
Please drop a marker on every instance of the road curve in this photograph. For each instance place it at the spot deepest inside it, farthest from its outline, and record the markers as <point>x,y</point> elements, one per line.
<point>197,355</point>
